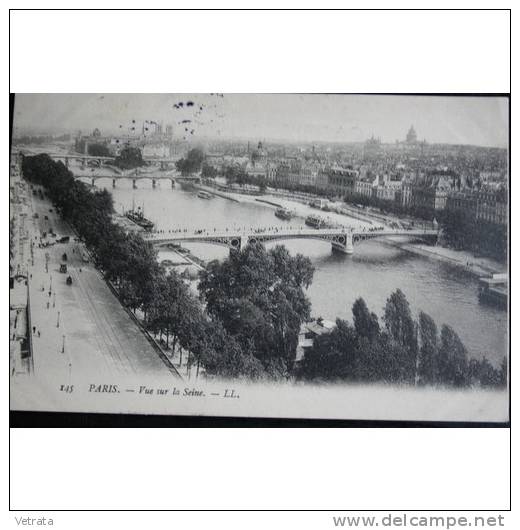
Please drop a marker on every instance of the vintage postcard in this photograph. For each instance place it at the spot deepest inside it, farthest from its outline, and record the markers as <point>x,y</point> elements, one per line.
<point>261,255</point>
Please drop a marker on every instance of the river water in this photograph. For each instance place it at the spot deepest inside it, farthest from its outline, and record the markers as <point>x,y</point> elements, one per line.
<point>445,292</point>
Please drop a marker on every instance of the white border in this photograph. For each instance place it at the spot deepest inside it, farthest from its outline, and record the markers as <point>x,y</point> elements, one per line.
<point>283,52</point>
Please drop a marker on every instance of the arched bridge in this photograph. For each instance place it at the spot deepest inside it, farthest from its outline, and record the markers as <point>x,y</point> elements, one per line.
<point>341,239</point>
<point>163,163</point>
<point>135,177</point>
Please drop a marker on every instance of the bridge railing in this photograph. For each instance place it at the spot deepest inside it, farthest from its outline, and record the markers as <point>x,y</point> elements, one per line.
<point>274,231</point>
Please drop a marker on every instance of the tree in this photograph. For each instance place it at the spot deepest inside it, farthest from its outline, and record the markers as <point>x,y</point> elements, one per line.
<point>485,374</point>
<point>365,323</point>
<point>192,163</point>
<point>170,310</point>
<point>503,372</point>
<point>222,356</point>
<point>208,171</point>
<point>452,365</point>
<point>98,150</point>
<point>401,329</point>
<point>428,336</point>
<point>329,359</point>
<point>258,296</point>
<point>129,158</point>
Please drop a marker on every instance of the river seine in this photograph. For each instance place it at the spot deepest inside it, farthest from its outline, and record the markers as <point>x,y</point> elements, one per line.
<point>446,293</point>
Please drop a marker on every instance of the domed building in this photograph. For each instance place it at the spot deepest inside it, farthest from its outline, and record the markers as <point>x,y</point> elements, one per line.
<point>411,136</point>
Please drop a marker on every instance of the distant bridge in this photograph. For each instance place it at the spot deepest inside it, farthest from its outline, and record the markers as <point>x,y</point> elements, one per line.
<point>135,177</point>
<point>341,239</point>
<point>163,163</point>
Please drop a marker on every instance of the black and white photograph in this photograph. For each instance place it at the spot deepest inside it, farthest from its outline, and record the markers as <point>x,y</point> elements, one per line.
<point>333,256</point>
<point>260,266</point>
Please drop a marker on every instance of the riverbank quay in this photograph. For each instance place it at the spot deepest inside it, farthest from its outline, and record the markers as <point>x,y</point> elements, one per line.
<point>478,267</point>
<point>79,330</point>
<point>299,208</point>
<point>363,215</point>
<point>213,191</point>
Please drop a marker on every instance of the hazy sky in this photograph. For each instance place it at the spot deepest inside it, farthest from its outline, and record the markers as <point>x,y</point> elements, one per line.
<point>338,118</point>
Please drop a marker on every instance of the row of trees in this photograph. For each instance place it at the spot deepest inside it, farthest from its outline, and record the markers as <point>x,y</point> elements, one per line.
<point>387,206</point>
<point>130,263</point>
<point>254,300</point>
<point>98,150</point>
<point>400,350</point>
<point>40,139</point>
<point>238,175</point>
<point>462,231</point>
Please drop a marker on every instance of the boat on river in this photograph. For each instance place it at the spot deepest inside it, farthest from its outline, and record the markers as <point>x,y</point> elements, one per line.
<point>283,213</point>
<point>315,222</point>
<point>318,203</point>
<point>204,195</point>
<point>136,215</point>
<point>494,290</point>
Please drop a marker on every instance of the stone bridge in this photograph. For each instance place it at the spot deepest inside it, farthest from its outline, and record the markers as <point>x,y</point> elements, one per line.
<point>136,177</point>
<point>341,239</point>
<point>85,158</point>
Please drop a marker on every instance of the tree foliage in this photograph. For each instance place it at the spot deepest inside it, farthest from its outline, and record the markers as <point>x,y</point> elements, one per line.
<point>191,163</point>
<point>129,158</point>
<point>462,231</point>
<point>98,150</point>
<point>403,351</point>
<point>258,296</point>
<point>208,171</point>
<point>428,335</point>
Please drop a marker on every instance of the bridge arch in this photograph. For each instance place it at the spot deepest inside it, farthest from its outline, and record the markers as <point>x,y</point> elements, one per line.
<point>340,241</point>
<point>267,238</point>
<point>231,243</point>
<point>360,237</point>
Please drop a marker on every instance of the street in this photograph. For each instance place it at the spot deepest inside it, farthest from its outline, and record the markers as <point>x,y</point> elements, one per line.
<point>79,329</point>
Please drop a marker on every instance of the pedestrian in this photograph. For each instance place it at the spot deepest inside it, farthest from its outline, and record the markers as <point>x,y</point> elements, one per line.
<point>38,333</point>
<point>34,330</point>
<point>47,305</point>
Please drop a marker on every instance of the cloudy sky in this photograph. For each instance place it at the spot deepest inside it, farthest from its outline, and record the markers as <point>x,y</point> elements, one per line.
<point>294,117</point>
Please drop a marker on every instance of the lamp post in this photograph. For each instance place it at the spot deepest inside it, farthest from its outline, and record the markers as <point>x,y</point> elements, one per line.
<point>58,321</point>
<point>63,345</point>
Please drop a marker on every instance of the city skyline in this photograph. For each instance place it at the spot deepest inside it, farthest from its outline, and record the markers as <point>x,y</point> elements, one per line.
<point>305,118</point>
